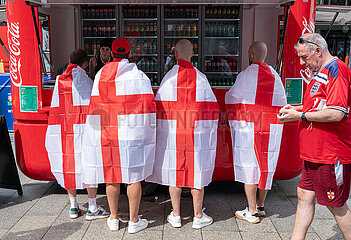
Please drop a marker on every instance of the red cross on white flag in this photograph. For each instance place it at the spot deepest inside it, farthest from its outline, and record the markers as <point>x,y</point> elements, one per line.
<point>252,105</point>
<point>331,195</point>
<point>187,120</point>
<point>120,138</point>
<point>67,117</point>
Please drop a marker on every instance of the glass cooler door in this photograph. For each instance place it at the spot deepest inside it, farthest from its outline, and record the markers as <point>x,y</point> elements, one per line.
<point>179,22</point>
<point>221,44</point>
<point>98,22</point>
<point>140,28</point>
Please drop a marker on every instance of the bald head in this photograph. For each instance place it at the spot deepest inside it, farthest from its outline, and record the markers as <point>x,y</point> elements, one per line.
<point>184,50</point>
<point>257,52</point>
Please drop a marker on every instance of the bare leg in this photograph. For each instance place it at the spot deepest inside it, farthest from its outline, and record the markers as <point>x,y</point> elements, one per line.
<point>342,216</point>
<point>92,192</point>
<point>72,193</point>
<point>304,213</point>
<point>175,193</point>
<point>250,191</point>
<point>134,197</point>
<point>198,197</point>
<point>262,194</point>
<point>112,193</point>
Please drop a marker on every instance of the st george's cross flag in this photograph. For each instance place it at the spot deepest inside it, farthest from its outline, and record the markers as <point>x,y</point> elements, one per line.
<point>120,138</point>
<point>252,106</point>
<point>187,120</point>
<point>69,107</point>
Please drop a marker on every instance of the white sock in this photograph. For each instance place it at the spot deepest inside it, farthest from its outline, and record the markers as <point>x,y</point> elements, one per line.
<point>92,204</point>
<point>73,201</point>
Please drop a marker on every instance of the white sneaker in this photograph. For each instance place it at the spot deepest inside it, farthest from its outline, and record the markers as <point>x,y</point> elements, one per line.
<point>113,224</point>
<point>74,213</point>
<point>138,226</point>
<point>174,221</point>
<point>260,211</point>
<point>202,222</point>
<point>247,216</point>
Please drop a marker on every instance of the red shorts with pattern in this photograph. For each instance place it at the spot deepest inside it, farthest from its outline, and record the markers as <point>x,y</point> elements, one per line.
<point>330,182</point>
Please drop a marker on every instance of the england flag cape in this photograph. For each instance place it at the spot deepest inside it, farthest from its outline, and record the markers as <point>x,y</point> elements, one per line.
<point>252,106</point>
<point>120,138</point>
<point>69,107</point>
<point>187,120</point>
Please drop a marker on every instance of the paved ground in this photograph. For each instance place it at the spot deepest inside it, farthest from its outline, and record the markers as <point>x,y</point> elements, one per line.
<point>42,213</point>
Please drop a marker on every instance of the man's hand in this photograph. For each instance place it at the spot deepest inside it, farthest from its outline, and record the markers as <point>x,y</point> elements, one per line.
<point>296,108</point>
<point>288,114</point>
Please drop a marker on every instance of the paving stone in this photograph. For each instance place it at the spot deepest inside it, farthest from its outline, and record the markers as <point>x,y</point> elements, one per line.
<point>64,222</point>
<point>276,197</point>
<point>322,212</point>
<point>11,212</point>
<point>261,236</point>
<point>185,232</point>
<point>263,227</point>
<point>283,218</point>
<point>28,235</point>
<point>309,236</point>
<point>59,233</point>
<point>3,231</point>
<point>145,235</point>
<point>32,191</point>
<point>30,227</point>
<point>220,235</point>
<point>152,208</point>
<point>155,215</point>
<point>293,200</point>
<point>49,205</point>
<point>327,229</point>
<point>289,187</point>
<point>98,229</point>
<point>222,214</point>
<point>186,212</point>
<point>5,194</point>
<point>237,202</point>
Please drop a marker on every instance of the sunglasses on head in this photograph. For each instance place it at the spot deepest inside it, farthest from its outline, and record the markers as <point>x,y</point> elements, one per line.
<point>302,41</point>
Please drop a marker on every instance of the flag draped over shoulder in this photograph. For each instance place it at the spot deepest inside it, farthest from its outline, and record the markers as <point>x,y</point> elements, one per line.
<point>187,120</point>
<point>67,116</point>
<point>252,105</point>
<point>120,138</point>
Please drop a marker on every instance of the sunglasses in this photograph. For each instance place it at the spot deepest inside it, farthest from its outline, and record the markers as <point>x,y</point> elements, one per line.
<point>302,41</point>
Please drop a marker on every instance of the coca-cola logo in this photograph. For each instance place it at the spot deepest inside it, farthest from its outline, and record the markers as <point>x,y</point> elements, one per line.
<point>13,35</point>
<point>309,27</point>
<point>306,75</point>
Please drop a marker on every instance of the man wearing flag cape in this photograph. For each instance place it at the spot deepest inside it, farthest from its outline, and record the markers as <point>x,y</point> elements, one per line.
<point>119,141</point>
<point>187,119</point>
<point>69,107</point>
<point>252,106</point>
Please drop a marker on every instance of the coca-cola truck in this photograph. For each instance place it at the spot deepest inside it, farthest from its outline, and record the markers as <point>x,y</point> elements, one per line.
<point>67,24</point>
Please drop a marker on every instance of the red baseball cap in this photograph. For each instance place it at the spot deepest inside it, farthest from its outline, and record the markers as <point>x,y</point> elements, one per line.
<point>120,43</point>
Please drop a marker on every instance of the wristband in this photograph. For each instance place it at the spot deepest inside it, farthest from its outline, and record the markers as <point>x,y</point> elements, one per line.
<point>303,117</point>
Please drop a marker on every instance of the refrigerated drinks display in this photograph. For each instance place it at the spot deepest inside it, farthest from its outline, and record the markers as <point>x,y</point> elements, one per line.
<point>154,30</point>
<point>98,22</point>
<point>180,22</point>
<point>140,29</point>
<point>221,44</point>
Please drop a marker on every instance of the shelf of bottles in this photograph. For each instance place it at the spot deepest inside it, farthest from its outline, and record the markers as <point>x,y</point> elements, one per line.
<point>221,44</point>
<point>140,28</point>
<point>180,22</point>
<point>97,23</point>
